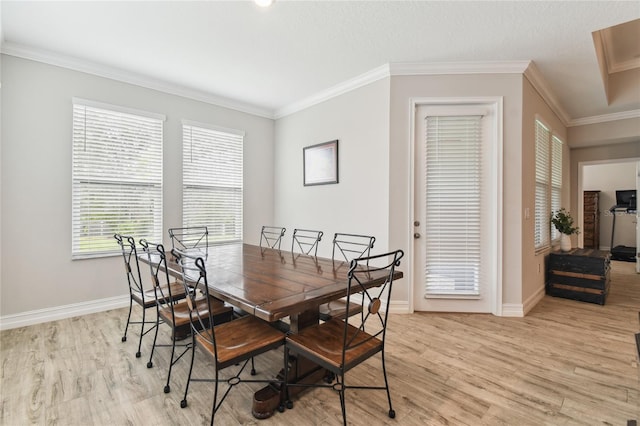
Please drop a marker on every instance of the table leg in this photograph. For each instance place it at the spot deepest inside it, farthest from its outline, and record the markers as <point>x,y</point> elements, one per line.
<point>301,370</point>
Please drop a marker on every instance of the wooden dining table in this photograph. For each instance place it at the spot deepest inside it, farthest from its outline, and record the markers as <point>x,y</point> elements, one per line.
<point>273,285</point>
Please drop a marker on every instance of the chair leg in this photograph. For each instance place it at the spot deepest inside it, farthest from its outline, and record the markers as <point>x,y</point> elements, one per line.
<point>142,333</point>
<point>167,387</point>
<point>215,399</point>
<point>342,403</point>
<point>253,367</point>
<point>183,403</point>
<point>126,327</point>
<point>155,338</point>
<point>392,413</point>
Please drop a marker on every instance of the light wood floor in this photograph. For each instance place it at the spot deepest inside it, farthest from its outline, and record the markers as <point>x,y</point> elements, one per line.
<point>565,363</point>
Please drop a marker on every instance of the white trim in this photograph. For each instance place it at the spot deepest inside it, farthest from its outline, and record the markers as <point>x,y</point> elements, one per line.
<point>118,108</point>
<point>337,90</point>
<point>528,68</point>
<point>39,316</point>
<point>533,74</point>
<point>624,115</point>
<point>512,310</point>
<point>404,69</point>
<point>448,68</point>
<point>213,127</point>
<point>86,66</point>
<point>400,307</point>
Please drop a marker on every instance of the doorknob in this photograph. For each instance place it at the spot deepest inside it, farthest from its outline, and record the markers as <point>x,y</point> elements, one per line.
<point>416,235</point>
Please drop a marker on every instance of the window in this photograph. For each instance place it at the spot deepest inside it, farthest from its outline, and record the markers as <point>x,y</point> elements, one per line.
<point>212,180</point>
<point>117,177</point>
<point>548,183</point>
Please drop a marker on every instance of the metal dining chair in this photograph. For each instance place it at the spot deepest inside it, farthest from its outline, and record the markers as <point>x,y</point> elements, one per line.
<point>272,236</point>
<point>146,298</point>
<point>306,241</point>
<point>345,248</point>
<point>228,344</point>
<point>194,239</point>
<point>172,309</point>
<point>339,346</point>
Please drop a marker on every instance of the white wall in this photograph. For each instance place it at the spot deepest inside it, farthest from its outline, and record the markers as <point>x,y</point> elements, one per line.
<point>508,86</point>
<point>608,178</point>
<point>359,203</point>
<point>37,271</point>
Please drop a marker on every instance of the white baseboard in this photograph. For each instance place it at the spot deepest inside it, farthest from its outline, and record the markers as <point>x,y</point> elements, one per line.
<point>61,312</point>
<point>520,310</point>
<point>400,307</point>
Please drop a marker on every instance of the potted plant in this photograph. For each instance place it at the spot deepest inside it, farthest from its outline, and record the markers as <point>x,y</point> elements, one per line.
<point>563,222</point>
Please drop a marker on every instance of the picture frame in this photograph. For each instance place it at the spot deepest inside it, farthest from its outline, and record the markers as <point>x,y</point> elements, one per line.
<point>320,164</point>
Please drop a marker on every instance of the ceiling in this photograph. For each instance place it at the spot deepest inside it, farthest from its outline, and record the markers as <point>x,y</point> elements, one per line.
<point>271,58</point>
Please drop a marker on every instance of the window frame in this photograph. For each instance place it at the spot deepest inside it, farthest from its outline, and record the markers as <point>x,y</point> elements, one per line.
<point>127,175</point>
<point>223,135</point>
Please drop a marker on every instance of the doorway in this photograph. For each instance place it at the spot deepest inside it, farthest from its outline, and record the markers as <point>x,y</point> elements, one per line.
<point>607,177</point>
<point>457,199</point>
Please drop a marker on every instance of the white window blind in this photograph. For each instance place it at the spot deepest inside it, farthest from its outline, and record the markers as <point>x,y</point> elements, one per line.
<point>543,207</point>
<point>212,180</point>
<point>117,177</point>
<point>556,180</point>
<point>453,202</point>
<point>548,184</point>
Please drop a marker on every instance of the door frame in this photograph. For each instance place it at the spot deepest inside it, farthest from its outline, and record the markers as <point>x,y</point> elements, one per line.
<point>497,103</point>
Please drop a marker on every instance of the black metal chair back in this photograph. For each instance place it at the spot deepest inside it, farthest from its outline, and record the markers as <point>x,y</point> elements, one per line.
<point>272,236</point>
<point>160,274</point>
<point>136,288</point>
<point>352,246</point>
<point>373,318</point>
<point>130,257</point>
<point>306,241</point>
<point>339,346</point>
<point>194,275</point>
<point>193,239</point>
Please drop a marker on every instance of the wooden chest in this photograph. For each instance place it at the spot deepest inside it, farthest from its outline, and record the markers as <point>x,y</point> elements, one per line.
<point>579,274</point>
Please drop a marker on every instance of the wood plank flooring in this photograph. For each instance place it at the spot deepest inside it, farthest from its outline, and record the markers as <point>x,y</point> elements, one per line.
<point>565,363</point>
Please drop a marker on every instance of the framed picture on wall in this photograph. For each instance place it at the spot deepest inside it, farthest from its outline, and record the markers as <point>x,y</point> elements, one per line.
<point>320,163</point>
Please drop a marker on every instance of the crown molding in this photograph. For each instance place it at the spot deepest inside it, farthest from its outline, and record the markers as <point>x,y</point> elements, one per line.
<point>405,68</point>
<point>83,65</point>
<point>337,90</point>
<point>449,68</point>
<point>528,68</point>
<point>596,119</point>
<point>533,74</point>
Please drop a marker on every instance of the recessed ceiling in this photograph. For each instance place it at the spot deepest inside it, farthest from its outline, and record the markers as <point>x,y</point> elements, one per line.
<point>274,57</point>
<point>618,52</point>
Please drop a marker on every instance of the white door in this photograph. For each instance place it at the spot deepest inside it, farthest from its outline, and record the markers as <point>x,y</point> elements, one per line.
<point>457,172</point>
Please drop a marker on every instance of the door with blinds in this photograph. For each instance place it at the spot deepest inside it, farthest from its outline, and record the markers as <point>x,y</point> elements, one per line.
<point>457,211</point>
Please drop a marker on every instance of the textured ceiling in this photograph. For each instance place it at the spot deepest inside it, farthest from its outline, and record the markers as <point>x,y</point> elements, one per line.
<point>272,58</point>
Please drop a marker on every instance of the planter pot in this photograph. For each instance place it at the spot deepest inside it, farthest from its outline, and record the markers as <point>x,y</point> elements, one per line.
<point>565,242</point>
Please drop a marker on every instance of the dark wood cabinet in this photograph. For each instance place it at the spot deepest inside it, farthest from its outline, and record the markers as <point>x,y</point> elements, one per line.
<point>591,221</point>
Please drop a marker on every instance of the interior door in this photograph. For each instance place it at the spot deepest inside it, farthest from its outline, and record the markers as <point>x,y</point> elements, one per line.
<point>442,273</point>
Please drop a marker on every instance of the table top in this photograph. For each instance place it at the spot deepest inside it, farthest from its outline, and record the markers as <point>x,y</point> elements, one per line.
<point>273,284</point>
